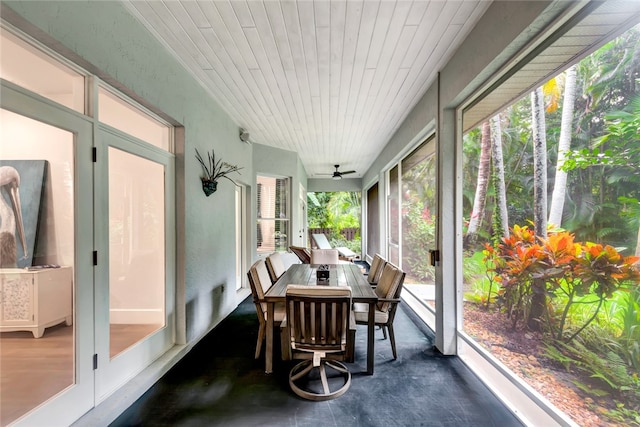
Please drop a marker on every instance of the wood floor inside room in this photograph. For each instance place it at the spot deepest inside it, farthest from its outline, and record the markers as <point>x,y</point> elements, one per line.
<point>32,370</point>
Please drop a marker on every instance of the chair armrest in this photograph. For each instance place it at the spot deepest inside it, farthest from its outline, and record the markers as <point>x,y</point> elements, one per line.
<point>391,300</point>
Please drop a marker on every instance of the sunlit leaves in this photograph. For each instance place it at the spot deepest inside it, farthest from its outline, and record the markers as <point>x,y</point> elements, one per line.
<point>566,267</point>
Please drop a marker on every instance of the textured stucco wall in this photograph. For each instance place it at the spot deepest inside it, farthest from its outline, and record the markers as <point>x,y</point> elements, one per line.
<point>109,41</point>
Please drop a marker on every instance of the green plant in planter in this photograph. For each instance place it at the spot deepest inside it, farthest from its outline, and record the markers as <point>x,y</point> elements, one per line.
<point>214,170</point>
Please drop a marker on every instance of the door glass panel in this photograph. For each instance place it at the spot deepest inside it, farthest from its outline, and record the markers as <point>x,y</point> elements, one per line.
<point>37,252</point>
<point>136,249</point>
<point>239,240</point>
<point>419,209</point>
<point>394,223</point>
<point>373,222</point>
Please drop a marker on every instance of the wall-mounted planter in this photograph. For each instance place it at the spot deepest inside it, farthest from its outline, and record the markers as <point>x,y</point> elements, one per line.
<point>209,187</point>
<point>213,171</point>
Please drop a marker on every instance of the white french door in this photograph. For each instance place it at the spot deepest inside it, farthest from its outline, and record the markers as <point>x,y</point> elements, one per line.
<point>37,130</point>
<point>135,277</point>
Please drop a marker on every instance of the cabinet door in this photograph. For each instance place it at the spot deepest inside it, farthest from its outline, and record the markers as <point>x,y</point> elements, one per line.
<point>17,299</point>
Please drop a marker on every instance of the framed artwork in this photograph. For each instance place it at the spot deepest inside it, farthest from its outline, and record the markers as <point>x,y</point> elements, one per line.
<point>21,188</point>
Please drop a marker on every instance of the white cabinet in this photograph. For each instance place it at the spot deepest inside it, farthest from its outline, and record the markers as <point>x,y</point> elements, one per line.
<point>35,300</point>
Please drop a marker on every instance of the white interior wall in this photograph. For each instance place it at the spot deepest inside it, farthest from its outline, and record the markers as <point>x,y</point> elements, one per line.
<point>39,141</point>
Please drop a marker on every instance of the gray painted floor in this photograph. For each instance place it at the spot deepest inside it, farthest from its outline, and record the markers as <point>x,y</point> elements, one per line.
<point>220,383</point>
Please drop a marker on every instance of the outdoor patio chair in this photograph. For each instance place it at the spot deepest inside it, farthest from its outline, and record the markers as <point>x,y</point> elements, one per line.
<point>320,241</point>
<point>388,291</point>
<point>324,256</point>
<point>260,283</point>
<point>302,253</point>
<point>375,271</point>
<point>320,330</point>
<point>275,266</point>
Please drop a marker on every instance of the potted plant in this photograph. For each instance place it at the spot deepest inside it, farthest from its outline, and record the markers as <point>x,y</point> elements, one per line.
<point>213,171</point>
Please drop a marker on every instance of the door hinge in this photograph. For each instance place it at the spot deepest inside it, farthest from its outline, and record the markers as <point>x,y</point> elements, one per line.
<point>95,154</point>
<point>95,361</point>
<point>95,257</point>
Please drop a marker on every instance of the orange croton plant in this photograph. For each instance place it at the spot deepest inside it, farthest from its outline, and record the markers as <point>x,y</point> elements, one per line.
<point>564,267</point>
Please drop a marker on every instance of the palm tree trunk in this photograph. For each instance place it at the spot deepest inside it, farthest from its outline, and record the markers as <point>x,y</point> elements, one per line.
<point>564,144</point>
<point>538,299</point>
<point>482,183</point>
<point>539,164</point>
<point>498,170</point>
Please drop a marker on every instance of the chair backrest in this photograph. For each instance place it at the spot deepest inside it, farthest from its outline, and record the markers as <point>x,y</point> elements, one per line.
<point>321,241</point>
<point>302,253</point>
<point>318,317</point>
<point>324,256</point>
<point>389,286</point>
<point>260,282</point>
<point>377,266</point>
<point>275,266</point>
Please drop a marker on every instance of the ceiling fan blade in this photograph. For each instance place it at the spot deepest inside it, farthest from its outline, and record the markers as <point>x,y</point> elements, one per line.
<point>344,173</point>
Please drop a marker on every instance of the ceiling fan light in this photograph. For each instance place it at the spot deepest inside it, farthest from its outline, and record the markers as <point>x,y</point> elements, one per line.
<point>336,176</point>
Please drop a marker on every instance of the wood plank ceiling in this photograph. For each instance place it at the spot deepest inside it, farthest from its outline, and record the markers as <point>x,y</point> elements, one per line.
<point>331,80</point>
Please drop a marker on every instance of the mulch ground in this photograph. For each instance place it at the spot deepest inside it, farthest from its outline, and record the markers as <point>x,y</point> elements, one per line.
<point>522,352</point>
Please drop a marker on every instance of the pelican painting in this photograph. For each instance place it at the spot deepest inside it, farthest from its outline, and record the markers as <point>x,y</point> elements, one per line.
<point>21,183</point>
<point>11,219</point>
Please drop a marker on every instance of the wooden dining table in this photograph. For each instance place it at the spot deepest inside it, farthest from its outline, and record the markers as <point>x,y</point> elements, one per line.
<point>348,274</point>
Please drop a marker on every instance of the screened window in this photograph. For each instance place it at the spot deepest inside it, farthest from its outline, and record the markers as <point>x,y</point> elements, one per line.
<point>273,214</point>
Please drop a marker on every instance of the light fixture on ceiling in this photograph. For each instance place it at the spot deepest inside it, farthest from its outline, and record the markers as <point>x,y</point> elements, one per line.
<point>244,136</point>
<point>336,177</point>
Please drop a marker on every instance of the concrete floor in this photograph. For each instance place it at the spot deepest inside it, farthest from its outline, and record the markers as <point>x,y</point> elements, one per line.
<point>220,383</point>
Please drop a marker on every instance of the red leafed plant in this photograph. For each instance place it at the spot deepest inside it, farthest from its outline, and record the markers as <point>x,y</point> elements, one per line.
<point>572,273</point>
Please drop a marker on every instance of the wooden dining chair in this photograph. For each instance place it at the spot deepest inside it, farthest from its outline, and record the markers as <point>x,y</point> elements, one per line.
<point>260,283</point>
<point>375,271</point>
<point>324,256</point>
<point>388,291</point>
<point>302,253</point>
<point>275,266</point>
<point>320,330</point>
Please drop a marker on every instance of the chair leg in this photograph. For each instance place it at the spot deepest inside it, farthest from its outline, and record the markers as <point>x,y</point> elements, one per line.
<point>261,334</point>
<point>392,338</point>
<point>384,331</point>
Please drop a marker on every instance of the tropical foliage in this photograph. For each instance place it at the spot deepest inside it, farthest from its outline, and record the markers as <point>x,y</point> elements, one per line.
<point>574,274</point>
<point>337,211</point>
<point>570,269</point>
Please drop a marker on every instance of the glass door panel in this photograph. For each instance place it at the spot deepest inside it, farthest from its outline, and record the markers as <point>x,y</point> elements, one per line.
<point>45,348</point>
<point>136,249</point>
<point>393,239</point>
